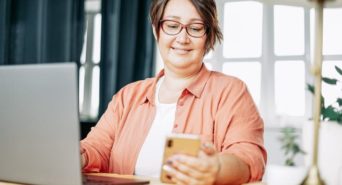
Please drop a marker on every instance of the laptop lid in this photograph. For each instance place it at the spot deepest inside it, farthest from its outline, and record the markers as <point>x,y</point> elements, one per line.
<point>39,126</point>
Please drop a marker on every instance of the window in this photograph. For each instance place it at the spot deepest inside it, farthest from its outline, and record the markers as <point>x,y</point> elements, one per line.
<point>289,65</point>
<point>288,86</point>
<point>241,30</point>
<point>332,37</point>
<point>288,30</point>
<point>270,48</point>
<point>242,40</point>
<point>89,74</point>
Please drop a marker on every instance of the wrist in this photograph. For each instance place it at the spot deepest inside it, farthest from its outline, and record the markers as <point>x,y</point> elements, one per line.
<point>219,166</point>
<point>218,174</point>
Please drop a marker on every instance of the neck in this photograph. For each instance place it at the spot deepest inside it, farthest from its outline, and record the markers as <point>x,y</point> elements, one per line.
<point>175,82</point>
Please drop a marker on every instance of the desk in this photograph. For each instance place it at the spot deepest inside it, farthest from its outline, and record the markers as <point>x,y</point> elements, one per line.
<point>152,180</point>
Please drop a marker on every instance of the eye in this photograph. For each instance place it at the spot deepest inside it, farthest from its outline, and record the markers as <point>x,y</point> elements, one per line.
<point>171,25</point>
<point>196,27</point>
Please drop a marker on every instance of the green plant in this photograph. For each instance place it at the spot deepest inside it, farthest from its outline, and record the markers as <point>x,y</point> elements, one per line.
<point>289,144</point>
<point>332,112</point>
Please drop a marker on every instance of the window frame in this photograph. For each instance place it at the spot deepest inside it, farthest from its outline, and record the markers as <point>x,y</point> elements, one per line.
<point>268,59</point>
<point>88,107</point>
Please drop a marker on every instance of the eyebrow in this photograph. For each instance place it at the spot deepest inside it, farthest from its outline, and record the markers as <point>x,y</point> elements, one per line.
<point>178,18</point>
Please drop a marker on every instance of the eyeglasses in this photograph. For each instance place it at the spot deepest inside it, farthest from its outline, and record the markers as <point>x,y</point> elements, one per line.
<point>196,30</point>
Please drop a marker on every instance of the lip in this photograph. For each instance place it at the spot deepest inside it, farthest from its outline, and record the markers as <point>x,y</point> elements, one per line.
<point>181,50</point>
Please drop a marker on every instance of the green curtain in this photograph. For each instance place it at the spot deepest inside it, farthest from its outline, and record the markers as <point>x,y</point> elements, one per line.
<point>41,31</point>
<point>127,53</point>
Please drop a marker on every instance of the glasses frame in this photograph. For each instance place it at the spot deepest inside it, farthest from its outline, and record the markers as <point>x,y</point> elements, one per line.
<point>186,26</point>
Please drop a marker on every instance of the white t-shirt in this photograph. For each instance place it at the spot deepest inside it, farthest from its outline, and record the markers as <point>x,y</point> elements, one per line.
<point>150,157</point>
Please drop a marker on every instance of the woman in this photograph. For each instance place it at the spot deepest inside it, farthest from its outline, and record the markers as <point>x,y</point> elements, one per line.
<point>184,98</point>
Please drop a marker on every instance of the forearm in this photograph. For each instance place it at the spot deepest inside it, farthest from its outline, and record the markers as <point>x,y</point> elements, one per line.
<point>232,170</point>
<point>93,159</point>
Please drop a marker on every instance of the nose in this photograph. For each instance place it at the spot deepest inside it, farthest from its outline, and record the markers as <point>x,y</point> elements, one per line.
<point>183,37</point>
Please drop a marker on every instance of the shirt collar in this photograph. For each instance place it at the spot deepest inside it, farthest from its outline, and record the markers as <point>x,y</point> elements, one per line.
<point>151,91</point>
<point>196,87</point>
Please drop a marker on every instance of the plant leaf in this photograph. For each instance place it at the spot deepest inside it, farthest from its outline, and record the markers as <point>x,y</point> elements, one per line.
<point>331,114</point>
<point>330,81</point>
<point>339,101</point>
<point>289,162</point>
<point>311,88</point>
<point>339,119</point>
<point>338,70</point>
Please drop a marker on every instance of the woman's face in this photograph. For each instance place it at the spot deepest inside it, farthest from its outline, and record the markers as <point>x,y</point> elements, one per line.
<point>181,52</point>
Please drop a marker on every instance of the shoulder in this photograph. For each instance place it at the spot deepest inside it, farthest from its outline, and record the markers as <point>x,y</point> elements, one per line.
<point>136,91</point>
<point>218,80</point>
<point>141,85</point>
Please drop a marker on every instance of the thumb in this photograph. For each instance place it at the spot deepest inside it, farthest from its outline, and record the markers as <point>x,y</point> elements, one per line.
<point>208,148</point>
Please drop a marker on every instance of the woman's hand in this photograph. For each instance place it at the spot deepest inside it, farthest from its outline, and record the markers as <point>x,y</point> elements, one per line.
<point>184,169</point>
<point>83,159</point>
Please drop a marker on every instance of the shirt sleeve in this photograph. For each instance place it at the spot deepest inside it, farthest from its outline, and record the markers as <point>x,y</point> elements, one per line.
<point>241,129</point>
<point>98,143</point>
<point>253,156</point>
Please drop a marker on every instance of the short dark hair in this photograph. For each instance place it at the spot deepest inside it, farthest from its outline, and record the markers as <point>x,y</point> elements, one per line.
<point>205,8</point>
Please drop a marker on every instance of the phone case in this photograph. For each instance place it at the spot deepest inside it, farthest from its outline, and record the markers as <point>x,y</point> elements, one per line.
<point>179,144</point>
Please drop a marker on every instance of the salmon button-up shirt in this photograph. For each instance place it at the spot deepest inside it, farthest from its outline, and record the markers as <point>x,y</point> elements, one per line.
<point>216,106</point>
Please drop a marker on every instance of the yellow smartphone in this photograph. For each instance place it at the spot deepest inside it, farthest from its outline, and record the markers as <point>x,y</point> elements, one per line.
<point>179,144</point>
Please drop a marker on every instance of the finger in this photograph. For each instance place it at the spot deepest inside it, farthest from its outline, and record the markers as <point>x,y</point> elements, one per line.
<point>200,165</point>
<point>178,177</point>
<point>213,164</point>
<point>208,148</point>
<point>204,172</point>
<point>192,172</point>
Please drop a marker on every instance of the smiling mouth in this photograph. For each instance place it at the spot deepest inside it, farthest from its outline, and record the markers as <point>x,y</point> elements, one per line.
<point>181,51</point>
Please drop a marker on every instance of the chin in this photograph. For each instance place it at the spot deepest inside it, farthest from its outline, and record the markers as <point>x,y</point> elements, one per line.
<point>181,61</point>
<point>184,64</point>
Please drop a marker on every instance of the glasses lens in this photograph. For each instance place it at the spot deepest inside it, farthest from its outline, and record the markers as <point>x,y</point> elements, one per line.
<point>196,30</point>
<point>171,27</point>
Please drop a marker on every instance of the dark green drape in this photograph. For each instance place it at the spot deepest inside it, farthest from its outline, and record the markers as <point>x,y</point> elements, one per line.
<point>127,46</point>
<point>41,31</point>
<point>4,11</point>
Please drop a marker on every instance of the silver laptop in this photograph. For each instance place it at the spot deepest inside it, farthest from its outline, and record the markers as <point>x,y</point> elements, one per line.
<point>39,125</point>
